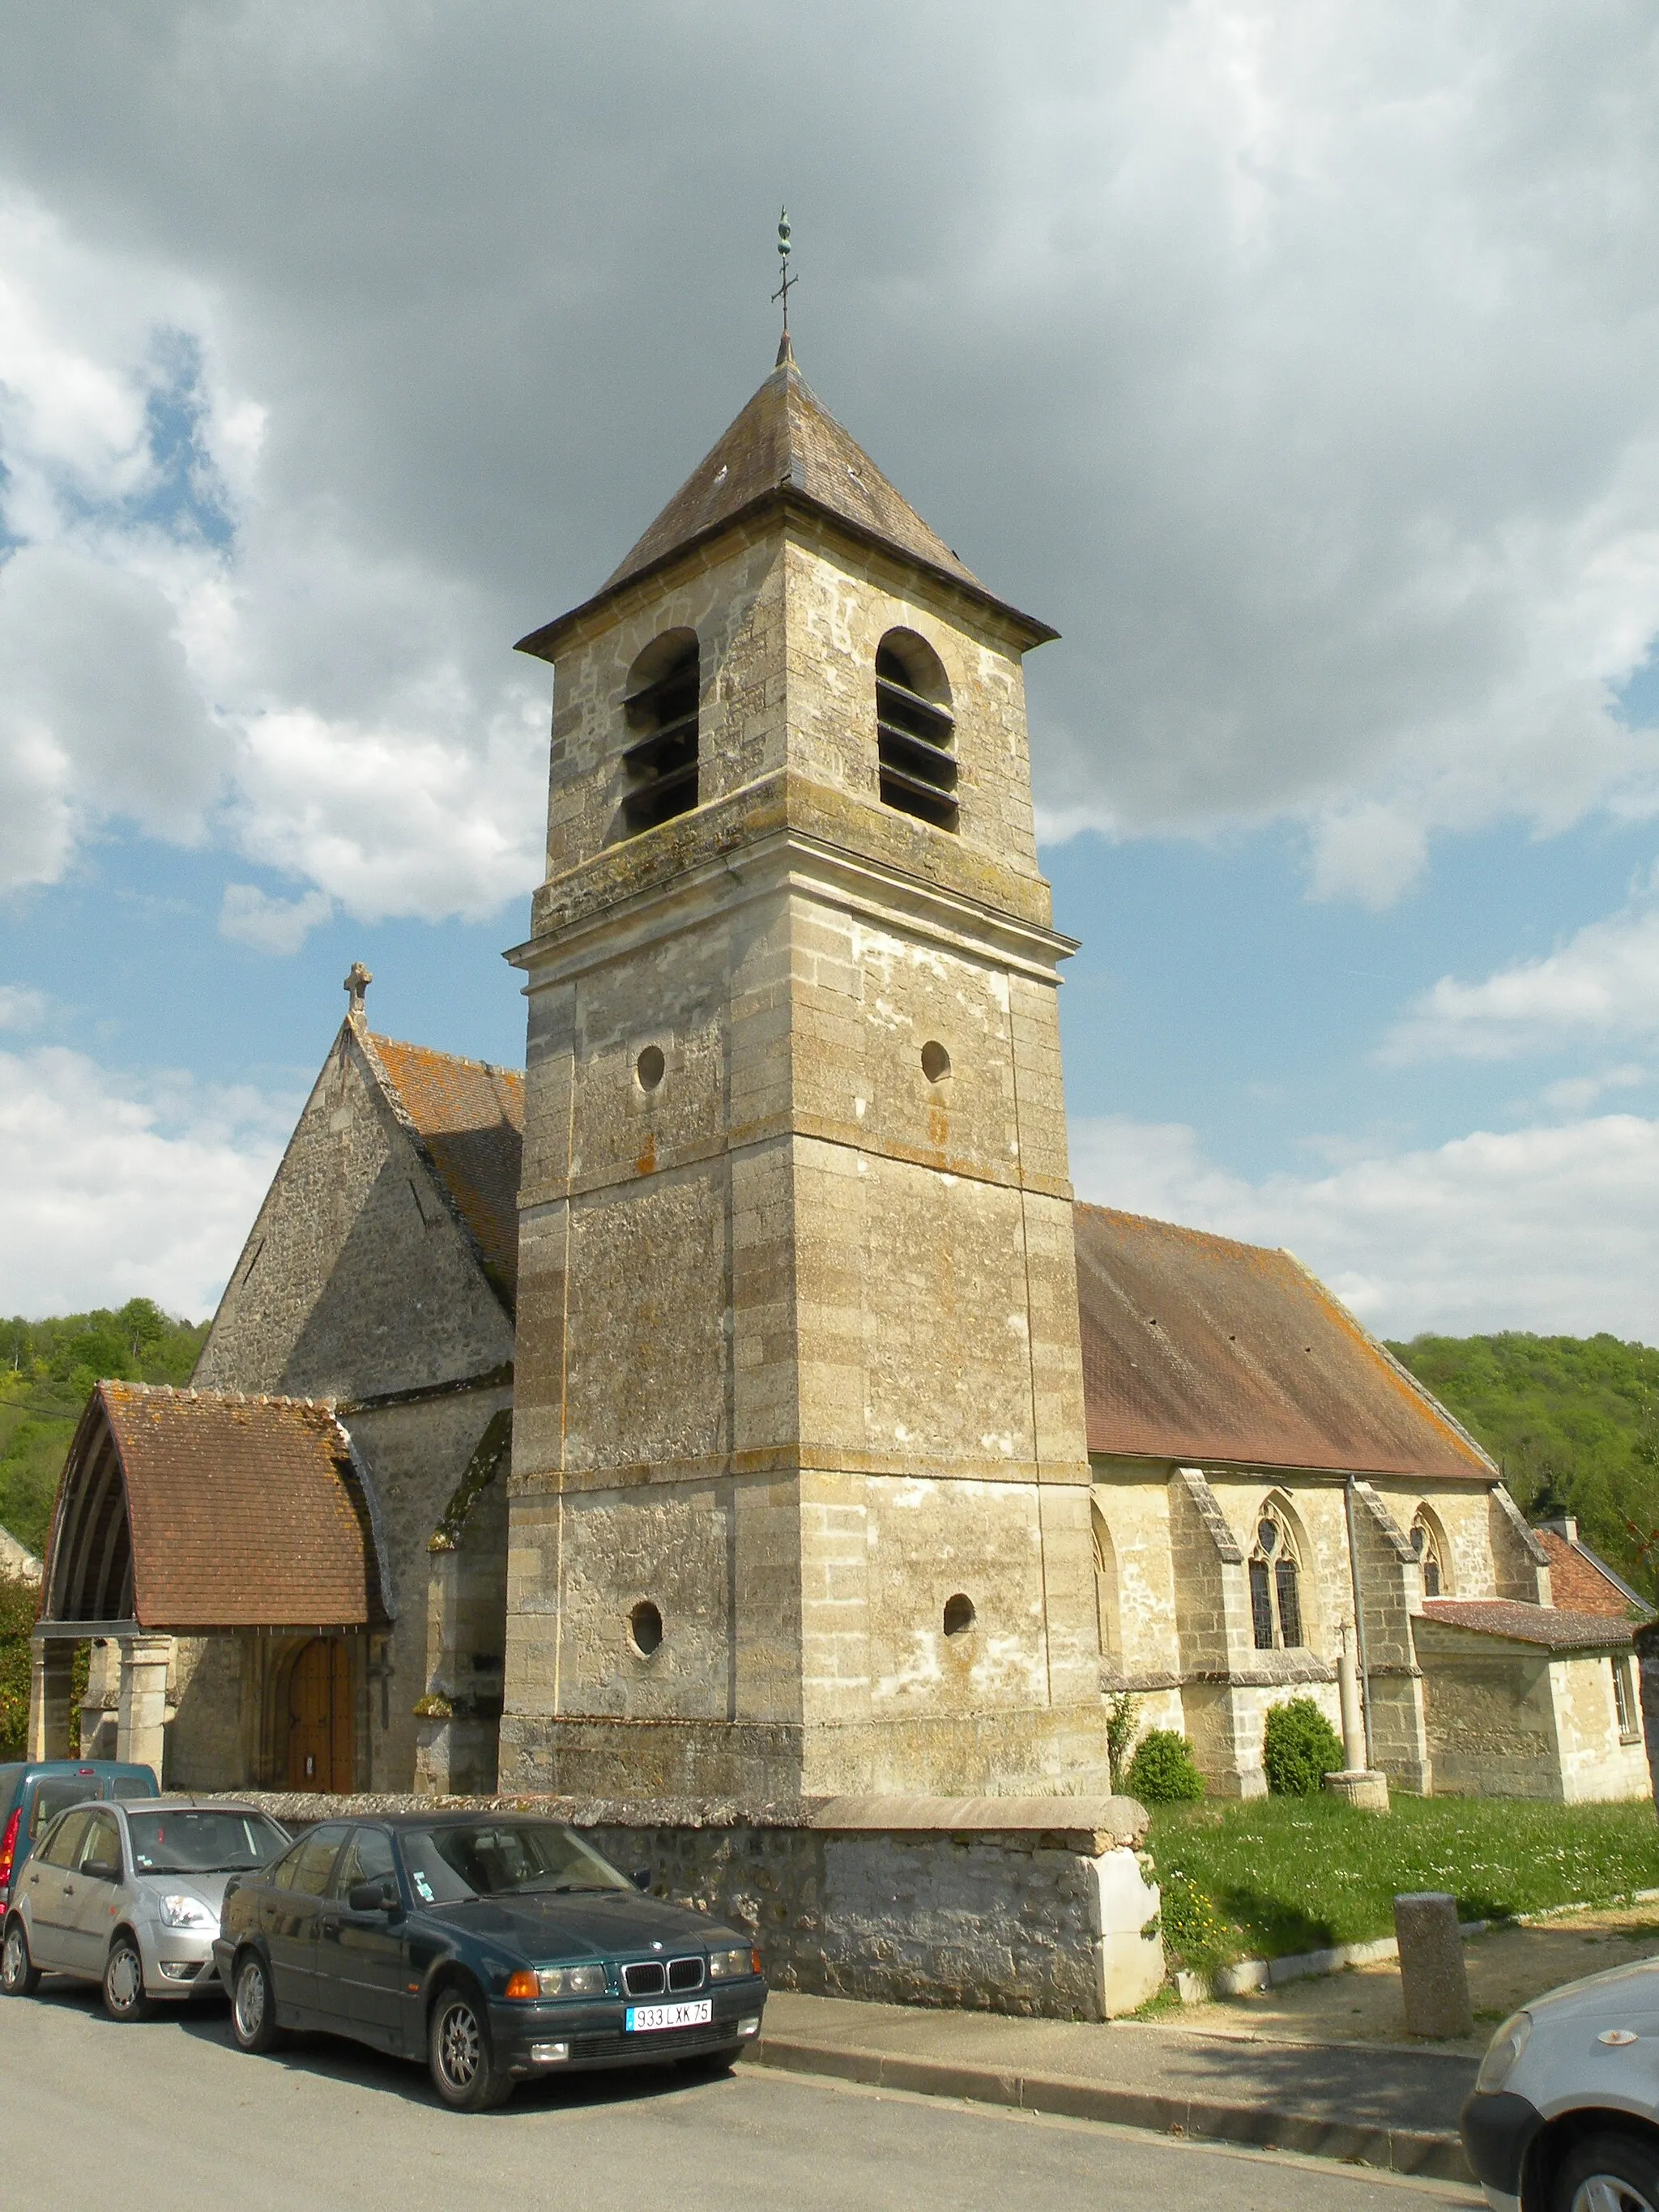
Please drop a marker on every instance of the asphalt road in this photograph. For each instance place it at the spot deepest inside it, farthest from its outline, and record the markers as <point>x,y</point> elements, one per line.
<point>170,2117</point>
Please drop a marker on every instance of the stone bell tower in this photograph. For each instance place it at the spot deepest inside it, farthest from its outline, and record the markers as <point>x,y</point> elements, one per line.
<point>800,1497</point>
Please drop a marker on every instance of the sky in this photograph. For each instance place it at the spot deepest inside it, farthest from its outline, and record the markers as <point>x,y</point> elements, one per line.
<point>1298,364</point>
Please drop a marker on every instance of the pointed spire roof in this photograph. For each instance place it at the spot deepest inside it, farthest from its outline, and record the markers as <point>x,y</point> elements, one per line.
<point>786,448</point>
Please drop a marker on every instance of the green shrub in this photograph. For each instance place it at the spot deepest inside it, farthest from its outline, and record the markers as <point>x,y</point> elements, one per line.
<point>1300,1747</point>
<point>1162,1771</point>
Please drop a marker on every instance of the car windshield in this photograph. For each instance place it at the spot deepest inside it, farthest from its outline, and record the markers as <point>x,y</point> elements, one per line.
<point>197,1839</point>
<point>503,1858</point>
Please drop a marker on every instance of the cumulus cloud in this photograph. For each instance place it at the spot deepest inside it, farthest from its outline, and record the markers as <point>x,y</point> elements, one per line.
<point>1302,367</point>
<point>248,915</point>
<point>116,1190</point>
<point>1550,1229</point>
<point>1603,984</point>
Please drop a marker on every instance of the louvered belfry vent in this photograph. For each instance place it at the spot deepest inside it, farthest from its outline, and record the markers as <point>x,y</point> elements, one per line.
<point>661,711</point>
<point>915,732</point>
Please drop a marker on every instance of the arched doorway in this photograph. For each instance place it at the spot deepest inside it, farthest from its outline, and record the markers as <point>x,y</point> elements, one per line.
<point>321,1741</point>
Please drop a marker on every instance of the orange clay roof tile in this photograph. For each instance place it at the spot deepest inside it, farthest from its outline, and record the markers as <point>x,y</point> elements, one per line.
<point>244,1512</point>
<point>470,1116</point>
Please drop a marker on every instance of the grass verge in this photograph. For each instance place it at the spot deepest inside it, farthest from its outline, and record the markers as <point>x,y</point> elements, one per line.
<point>1287,1874</point>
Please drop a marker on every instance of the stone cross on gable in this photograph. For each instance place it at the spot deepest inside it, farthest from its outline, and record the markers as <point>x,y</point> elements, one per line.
<point>356,983</point>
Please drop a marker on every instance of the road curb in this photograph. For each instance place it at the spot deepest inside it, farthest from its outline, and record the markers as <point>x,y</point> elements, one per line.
<point>1396,2150</point>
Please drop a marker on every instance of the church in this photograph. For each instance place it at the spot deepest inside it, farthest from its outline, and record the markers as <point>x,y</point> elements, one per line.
<point>735,1405</point>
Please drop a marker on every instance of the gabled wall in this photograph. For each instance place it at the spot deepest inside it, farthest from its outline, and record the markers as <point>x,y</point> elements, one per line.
<point>357,1280</point>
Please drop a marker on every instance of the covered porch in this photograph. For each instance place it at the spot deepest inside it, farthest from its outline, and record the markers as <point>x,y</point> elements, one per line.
<point>216,1554</point>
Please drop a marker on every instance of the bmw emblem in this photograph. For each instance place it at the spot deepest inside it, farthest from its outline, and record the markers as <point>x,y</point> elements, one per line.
<point>656,1947</point>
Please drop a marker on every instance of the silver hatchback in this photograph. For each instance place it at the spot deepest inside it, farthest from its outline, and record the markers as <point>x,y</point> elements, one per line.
<point>128,1896</point>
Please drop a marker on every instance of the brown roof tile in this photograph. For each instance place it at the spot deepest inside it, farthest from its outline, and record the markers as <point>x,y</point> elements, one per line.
<point>470,1116</point>
<point>1551,1627</point>
<point>1197,1347</point>
<point>244,1512</point>
<point>786,445</point>
<point>1582,1583</point>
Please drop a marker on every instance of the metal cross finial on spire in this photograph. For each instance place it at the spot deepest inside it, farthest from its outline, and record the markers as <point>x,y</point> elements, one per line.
<point>785,351</point>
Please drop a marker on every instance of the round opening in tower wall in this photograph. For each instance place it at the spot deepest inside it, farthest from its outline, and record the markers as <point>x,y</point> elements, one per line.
<point>959,1614</point>
<point>650,1067</point>
<point>935,1061</point>
<point>645,1628</point>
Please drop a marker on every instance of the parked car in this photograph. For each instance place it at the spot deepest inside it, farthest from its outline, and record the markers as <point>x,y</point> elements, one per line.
<point>1564,2116</point>
<point>495,1947</point>
<point>31,1795</point>
<point>128,1894</point>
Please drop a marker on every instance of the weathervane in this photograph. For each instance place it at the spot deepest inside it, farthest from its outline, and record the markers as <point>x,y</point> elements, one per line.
<point>782,292</point>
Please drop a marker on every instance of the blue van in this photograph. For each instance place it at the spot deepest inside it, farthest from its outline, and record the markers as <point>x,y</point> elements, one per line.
<point>31,1797</point>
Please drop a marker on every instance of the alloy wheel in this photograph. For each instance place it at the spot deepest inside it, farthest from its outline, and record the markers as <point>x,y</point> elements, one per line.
<point>1609,2192</point>
<point>249,2001</point>
<point>14,1961</point>
<point>460,2046</point>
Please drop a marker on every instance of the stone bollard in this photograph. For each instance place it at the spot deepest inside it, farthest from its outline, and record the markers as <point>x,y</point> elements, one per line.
<point>1432,1977</point>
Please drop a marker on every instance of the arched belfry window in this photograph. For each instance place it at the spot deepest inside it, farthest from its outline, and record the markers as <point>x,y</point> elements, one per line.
<point>660,707</point>
<point>1431,1554</point>
<point>1275,1585</point>
<point>915,732</point>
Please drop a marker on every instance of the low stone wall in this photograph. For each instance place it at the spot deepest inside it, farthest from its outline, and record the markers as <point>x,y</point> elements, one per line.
<point>1039,1905</point>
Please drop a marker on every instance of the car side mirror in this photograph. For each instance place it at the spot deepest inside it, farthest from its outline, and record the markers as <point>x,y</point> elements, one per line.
<point>641,1878</point>
<point>372,1896</point>
<point>100,1870</point>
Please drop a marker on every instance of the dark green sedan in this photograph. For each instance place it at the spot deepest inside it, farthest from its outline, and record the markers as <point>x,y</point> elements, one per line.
<point>497,1946</point>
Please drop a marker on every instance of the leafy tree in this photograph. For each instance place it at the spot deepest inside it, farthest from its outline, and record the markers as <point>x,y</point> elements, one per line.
<point>1573,1422</point>
<point>20,1607</point>
<point>47,1370</point>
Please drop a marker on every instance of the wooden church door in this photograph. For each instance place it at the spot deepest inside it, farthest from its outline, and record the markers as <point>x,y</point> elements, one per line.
<point>321,1746</point>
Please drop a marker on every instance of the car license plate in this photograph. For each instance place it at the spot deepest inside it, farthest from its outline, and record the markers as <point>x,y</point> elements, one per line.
<point>640,2018</point>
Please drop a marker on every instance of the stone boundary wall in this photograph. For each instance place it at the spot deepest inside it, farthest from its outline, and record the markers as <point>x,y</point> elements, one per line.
<point>1000,1904</point>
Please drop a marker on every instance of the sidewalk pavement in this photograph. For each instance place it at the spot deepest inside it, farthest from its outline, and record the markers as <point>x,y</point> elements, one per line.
<point>1370,2104</point>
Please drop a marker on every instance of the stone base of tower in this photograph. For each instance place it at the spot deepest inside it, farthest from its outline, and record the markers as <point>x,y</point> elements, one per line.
<point>1054,1754</point>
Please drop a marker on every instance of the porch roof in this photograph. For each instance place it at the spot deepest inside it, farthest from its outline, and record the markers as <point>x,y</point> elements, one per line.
<point>1550,1627</point>
<point>188,1510</point>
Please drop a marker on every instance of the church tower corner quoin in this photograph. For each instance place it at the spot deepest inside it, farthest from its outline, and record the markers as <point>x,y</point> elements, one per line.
<point>800,1493</point>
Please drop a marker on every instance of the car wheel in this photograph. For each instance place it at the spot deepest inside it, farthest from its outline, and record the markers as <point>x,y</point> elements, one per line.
<point>253,2005</point>
<point>1607,2174</point>
<point>124,1982</point>
<point>19,1975</point>
<point>460,2056</point>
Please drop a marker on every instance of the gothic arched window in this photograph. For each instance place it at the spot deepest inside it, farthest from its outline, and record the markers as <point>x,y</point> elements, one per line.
<point>915,732</point>
<point>660,710</point>
<point>1275,1586</point>
<point>1106,1587</point>
<point>1430,1557</point>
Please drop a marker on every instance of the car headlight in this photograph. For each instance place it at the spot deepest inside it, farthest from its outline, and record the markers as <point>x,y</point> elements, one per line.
<point>730,1965</point>
<point>1503,2052</point>
<point>186,1912</point>
<point>571,1981</point>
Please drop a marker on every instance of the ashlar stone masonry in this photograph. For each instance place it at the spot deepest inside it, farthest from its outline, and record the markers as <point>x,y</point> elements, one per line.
<point>800,1493</point>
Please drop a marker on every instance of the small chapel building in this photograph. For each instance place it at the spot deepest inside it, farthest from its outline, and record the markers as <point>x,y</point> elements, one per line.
<point>737,1404</point>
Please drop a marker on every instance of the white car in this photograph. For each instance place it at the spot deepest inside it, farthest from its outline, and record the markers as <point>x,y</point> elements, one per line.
<point>1564,2116</point>
<point>128,1896</point>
